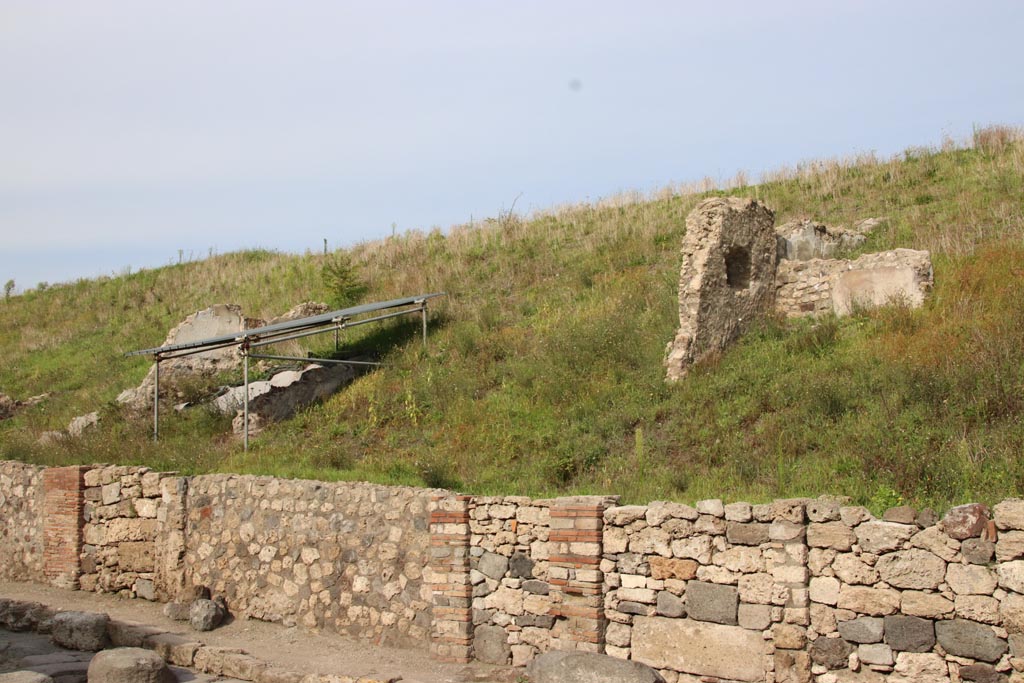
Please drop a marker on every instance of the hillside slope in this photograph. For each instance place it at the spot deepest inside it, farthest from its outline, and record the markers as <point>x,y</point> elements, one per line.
<point>544,369</point>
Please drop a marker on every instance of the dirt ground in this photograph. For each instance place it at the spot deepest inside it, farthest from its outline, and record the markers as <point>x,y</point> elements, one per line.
<point>293,648</point>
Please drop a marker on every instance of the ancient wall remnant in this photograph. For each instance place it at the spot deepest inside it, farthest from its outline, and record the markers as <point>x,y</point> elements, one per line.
<point>727,278</point>
<point>737,267</point>
<point>21,526</point>
<point>820,286</point>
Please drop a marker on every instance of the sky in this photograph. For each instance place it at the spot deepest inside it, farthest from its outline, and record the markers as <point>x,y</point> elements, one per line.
<point>134,133</point>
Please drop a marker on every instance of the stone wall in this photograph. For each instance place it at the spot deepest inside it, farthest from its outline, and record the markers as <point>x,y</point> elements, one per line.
<point>119,554</point>
<point>794,590</point>
<point>21,525</point>
<point>347,557</point>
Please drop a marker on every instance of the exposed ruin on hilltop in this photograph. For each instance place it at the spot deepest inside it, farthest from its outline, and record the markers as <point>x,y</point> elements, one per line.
<point>737,267</point>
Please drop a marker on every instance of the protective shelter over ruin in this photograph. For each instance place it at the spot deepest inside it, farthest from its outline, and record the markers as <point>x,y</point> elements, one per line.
<point>246,341</point>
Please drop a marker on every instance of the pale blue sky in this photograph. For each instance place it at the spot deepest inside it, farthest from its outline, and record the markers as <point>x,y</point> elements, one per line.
<point>130,130</point>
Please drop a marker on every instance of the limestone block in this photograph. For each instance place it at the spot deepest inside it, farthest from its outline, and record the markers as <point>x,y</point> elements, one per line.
<point>698,648</point>
<point>834,535</point>
<point>979,608</point>
<point>929,605</point>
<point>913,568</point>
<point>925,667</point>
<point>564,666</point>
<point>851,569</point>
<point>874,602</point>
<point>1009,514</point>
<point>970,579</point>
<point>741,559</point>
<point>756,588</point>
<point>1011,612</point>
<point>935,541</point>
<point>875,653</point>
<point>624,514</point>
<point>1010,545</point>
<point>901,275</point>
<point>883,537</point>
<point>136,556</point>
<point>755,617</point>
<point>668,568</point>
<point>1011,575</point>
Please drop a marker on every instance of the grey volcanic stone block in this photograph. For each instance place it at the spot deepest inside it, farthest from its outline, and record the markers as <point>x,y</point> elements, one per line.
<point>909,634</point>
<point>981,673</point>
<point>588,667</point>
<point>493,565</point>
<point>536,586</point>
<point>669,605</point>
<point>129,665</point>
<point>752,533</point>
<point>978,551</point>
<point>520,566</point>
<point>80,630</point>
<point>862,630</point>
<point>205,615</point>
<point>970,639</point>
<point>490,645</point>
<point>832,653</point>
<point>712,602</point>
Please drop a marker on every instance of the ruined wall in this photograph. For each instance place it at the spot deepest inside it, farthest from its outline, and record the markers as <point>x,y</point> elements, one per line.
<point>819,286</point>
<point>348,556</point>
<point>21,522</point>
<point>119,554</point>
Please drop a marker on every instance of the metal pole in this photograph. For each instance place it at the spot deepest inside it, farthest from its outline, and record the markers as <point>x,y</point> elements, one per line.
<point>423,312</point>
<point>245,419</point>
<point>156,400</point>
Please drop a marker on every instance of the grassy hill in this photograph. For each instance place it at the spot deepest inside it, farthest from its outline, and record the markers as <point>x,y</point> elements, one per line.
<point>543,374</point>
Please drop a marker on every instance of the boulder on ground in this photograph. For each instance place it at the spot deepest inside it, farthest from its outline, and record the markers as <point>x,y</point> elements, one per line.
<point>206,615</point>
<point>588,667</point>
<point>129,665</point>
<point>80,630</point>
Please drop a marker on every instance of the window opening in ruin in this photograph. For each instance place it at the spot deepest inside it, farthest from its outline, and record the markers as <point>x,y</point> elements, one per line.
<point>737,267</point>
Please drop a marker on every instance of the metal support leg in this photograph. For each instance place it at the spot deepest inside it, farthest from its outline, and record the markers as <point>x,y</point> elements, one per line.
<point>423,314</point>
<point>156,400</point>
<point>245,418</point>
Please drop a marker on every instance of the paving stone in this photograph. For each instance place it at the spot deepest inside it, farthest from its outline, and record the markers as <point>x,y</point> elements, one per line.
<point>80,630</point>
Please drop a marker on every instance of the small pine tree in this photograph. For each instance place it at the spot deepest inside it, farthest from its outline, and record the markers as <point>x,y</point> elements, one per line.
<point>341,278</point>
<point>8,288</point>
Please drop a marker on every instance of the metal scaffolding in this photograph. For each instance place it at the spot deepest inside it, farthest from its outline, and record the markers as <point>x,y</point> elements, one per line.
<point>258,337</point>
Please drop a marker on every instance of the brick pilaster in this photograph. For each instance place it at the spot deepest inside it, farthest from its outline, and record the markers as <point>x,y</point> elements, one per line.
<point>63,490</point>
<point>574,572</point>
<point>452,634</point>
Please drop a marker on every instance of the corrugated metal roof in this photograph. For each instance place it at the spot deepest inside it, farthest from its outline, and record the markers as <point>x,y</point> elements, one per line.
<point>288,326</point>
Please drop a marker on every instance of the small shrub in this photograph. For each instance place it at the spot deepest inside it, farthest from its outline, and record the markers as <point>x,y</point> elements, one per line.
<point>342,279</point>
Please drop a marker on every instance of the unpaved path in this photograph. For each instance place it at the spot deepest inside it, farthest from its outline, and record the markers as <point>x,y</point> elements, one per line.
<point>292,648</point>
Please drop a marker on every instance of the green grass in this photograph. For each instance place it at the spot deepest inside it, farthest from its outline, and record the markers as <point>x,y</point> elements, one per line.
<point>544,370</point>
